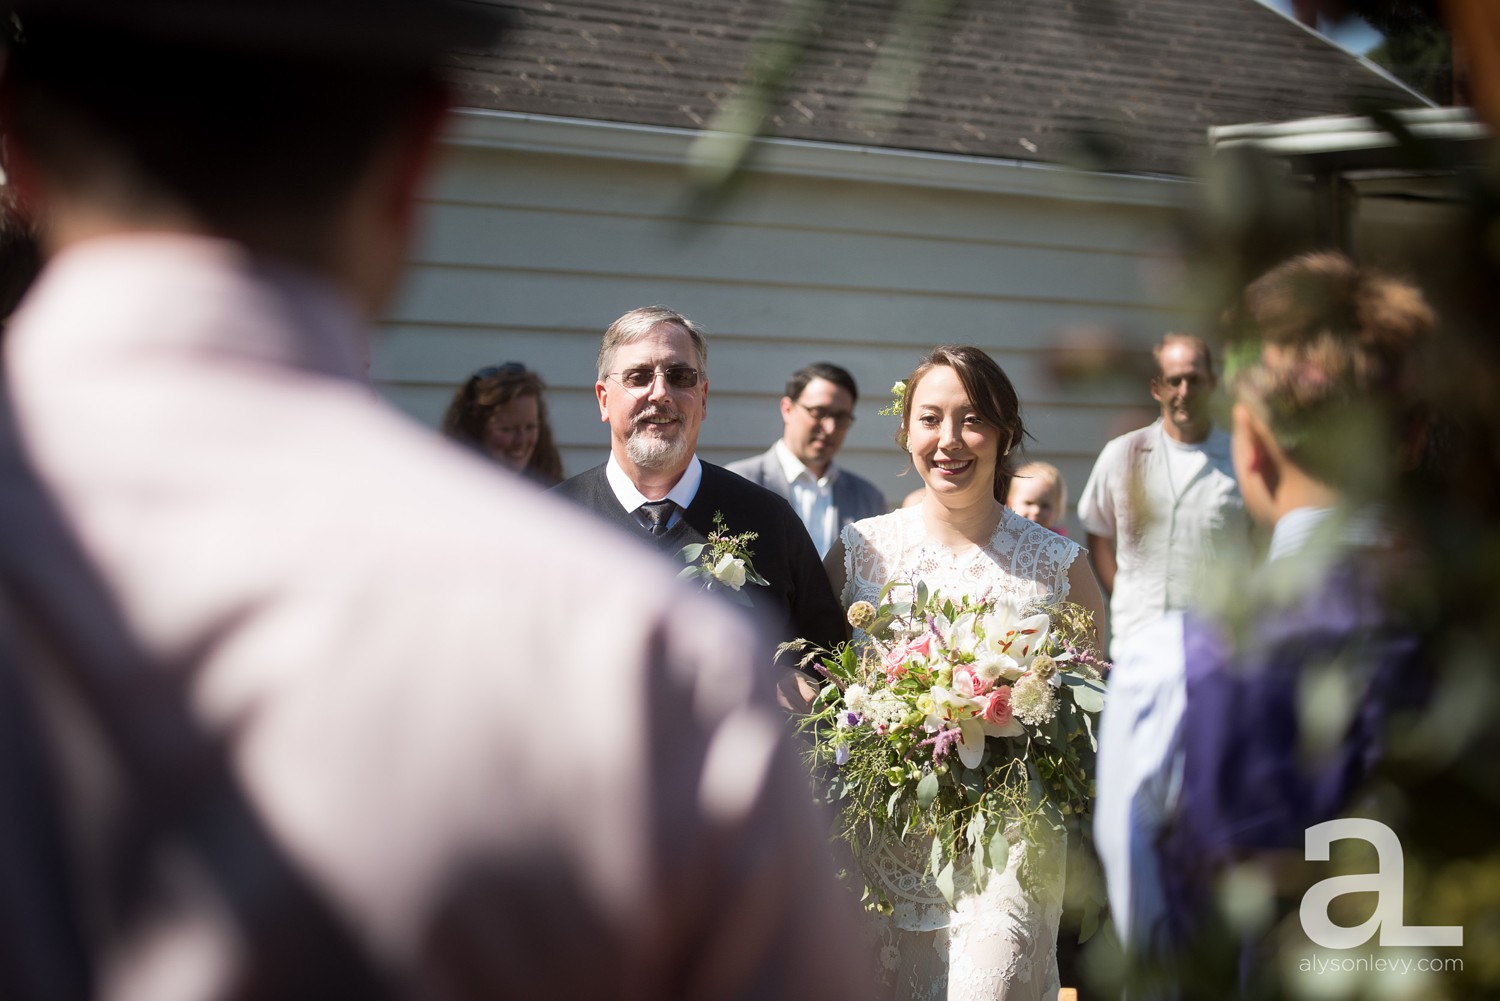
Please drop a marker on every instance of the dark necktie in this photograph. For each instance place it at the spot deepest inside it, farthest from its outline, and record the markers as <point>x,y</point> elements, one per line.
<point>654,515</point>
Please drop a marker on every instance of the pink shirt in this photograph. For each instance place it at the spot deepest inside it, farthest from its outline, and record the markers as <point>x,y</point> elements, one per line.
<point>457,703</point>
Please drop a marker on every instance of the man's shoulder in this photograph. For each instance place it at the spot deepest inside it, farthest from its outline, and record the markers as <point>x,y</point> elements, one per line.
<point>856,497</point>
<point>457,487</point>
<point>1130,442</point>
<point>1118,454</point>
<point>856,483</point>
<point>755,467</point>
<point>723,479</point>
<point>583,486</point>
<point>728,489</point>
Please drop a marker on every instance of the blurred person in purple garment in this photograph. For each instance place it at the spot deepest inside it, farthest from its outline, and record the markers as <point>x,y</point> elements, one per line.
<point>1211,760</point>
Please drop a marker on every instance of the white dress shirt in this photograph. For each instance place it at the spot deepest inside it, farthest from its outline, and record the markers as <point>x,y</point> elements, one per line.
<point>812,497</point>
<point>1173,510</point>
<point>681,494</point>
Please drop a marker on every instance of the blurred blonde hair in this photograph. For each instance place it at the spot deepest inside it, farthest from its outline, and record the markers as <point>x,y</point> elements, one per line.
<point>1049,474</point>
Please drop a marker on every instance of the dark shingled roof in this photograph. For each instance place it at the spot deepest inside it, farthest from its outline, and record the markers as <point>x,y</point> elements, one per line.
<point>1127,85</point>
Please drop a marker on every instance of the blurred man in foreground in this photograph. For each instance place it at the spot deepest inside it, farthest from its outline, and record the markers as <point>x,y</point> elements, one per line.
<point>323,724</point>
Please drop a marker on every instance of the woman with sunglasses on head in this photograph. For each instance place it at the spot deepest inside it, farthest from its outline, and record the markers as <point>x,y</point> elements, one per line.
<point>500,411</point>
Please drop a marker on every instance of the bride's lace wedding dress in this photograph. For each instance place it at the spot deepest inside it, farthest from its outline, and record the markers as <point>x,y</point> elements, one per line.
<point>999,942</point>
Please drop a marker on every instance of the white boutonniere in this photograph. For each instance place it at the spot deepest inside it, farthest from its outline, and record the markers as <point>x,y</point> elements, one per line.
<point>723,562</point>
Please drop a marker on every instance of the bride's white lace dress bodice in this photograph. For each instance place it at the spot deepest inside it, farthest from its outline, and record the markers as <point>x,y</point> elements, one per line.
<point>1000,942</point>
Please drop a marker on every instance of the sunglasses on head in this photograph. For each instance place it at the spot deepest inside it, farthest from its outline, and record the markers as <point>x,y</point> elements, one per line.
<point>495,371</point>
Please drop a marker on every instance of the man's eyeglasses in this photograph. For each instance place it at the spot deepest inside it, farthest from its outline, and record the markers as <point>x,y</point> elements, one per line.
<point>677,377</point>
<point>840,418</point>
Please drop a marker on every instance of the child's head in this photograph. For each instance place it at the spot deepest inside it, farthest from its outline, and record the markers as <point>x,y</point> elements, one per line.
<point>1038,492</point>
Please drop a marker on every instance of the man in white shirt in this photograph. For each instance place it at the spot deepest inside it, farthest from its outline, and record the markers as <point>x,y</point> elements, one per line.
<point>1209,757</point>
<point>1161,504</point>
<point>816,413</point>
<point>334,709</point>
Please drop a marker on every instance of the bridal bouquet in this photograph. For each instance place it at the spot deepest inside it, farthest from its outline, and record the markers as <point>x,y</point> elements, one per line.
<point>971,723</point>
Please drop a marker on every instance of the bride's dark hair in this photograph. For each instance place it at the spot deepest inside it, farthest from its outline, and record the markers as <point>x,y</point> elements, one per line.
<point>991,393</point>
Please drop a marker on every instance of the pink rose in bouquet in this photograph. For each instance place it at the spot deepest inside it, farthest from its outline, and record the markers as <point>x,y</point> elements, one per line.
<point>967,682</point>
<point>895,661</point>
<point>997,706</point>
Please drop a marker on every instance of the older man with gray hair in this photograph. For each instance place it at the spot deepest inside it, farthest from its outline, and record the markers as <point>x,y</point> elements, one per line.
<point>653,393</point>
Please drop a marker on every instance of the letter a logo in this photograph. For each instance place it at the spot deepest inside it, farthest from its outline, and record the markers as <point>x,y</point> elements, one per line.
<point>1388,884</point>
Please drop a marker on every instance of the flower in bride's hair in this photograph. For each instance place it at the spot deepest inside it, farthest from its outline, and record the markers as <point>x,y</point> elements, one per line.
<point>898,397</point>
<point>861,615</point>
<point>1032,700</point>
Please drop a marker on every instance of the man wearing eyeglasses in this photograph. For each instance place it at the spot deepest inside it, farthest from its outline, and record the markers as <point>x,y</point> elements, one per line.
<point>653,393</point>
<point>816,413</point>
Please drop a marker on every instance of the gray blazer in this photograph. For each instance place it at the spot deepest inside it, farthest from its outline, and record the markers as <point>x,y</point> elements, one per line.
<point>853,497</point>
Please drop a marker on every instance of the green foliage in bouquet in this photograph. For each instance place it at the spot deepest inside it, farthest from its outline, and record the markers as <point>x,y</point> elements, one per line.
<point>968,723</point>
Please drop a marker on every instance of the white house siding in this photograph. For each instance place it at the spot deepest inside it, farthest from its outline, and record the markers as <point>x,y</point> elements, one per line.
<point>539,232</point>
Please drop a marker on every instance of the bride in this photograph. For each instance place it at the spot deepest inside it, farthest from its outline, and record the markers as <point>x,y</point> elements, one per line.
<point>960,420</point>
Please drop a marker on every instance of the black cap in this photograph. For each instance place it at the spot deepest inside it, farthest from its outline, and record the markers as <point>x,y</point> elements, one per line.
<point>412,32</point>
